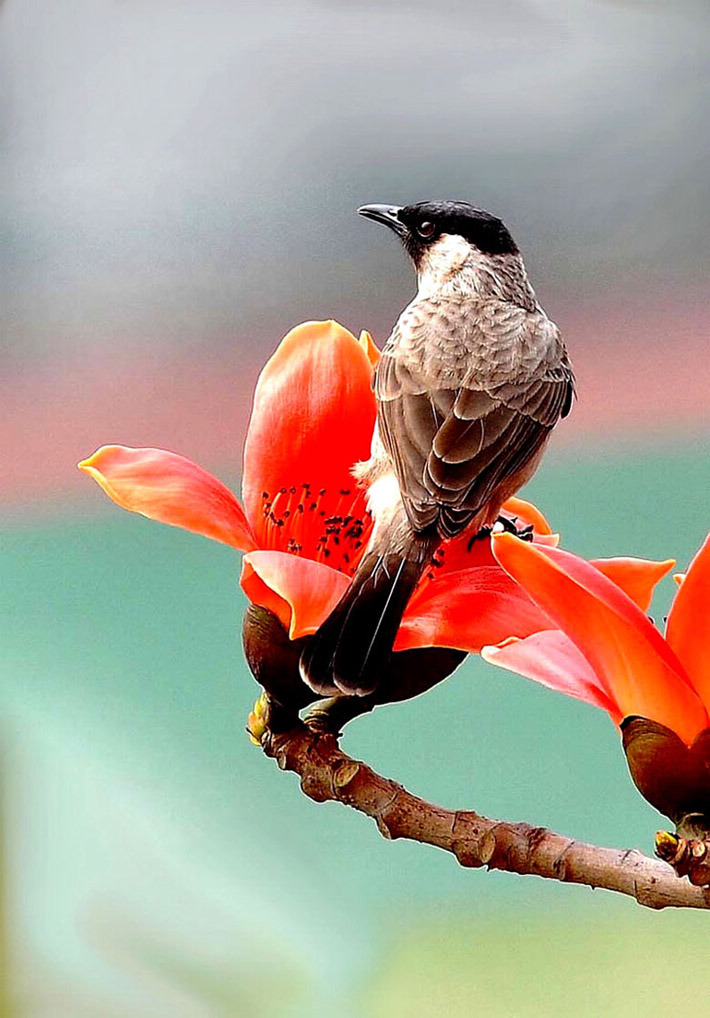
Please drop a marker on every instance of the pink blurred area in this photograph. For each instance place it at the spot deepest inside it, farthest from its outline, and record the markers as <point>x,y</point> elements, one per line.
<point>177,178</point>
<point>641,365</point>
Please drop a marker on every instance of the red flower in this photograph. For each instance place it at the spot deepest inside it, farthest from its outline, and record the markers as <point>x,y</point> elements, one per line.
<point>605,650</point>
<point>304,523</point>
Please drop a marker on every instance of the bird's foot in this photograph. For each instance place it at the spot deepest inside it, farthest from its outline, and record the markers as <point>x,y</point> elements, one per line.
<point>328,717</point>
<point>510,526</point>
<point>481,535</point>
<point>506,525</point>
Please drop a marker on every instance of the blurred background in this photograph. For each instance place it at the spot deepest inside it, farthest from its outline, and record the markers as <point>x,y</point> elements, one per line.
<point>177,186</point>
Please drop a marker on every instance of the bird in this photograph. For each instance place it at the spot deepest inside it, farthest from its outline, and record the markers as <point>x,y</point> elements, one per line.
<point>470,384</point>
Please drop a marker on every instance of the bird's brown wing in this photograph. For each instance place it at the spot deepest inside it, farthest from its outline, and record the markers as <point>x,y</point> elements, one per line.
<point>460,425</point>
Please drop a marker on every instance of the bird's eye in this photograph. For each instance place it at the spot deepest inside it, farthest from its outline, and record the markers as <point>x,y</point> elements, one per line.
<point>426,229</point>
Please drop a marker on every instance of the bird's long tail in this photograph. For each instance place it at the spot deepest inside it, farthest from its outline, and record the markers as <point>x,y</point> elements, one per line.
<point>350,651</point>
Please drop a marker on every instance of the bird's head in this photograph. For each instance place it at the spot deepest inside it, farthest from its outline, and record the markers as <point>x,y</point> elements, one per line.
<point>452,244</point>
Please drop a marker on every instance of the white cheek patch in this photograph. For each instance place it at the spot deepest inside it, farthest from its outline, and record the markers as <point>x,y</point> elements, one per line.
<point>442,261</point>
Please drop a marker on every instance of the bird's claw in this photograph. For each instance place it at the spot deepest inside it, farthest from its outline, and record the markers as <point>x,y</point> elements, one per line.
<point>481,535</point>
<point>510,526</point>
<point>506,525</point>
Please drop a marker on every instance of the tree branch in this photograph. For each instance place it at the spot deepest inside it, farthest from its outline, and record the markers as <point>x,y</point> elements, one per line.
<point>329,774</point>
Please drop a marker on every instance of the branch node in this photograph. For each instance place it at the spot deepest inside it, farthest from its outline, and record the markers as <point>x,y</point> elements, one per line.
<point>346,770</point>
<point>384,828</point>
<point>560,863</point>
<point>328,773</point>
<point>312,786</point>
<point>474,852</point>
<point>388,821</point>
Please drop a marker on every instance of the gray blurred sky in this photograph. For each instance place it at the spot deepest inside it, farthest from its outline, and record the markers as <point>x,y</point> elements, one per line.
<point>176,171</point>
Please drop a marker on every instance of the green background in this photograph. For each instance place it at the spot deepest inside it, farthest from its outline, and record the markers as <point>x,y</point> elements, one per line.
<point>156,862</point>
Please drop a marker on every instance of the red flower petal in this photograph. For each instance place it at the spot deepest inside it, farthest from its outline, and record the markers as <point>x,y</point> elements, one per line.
<point>637,577</point>
<point>460,554</point>
<point>688,630</point>
<point>313,418</point>
<point>615,597</point>
<point>367,343</point>
<point>261,594</point>
<point>302,593</point>
<point>637,668</point>
<point>170,489</point>
<point>468,610</point>
<point>551,659</point>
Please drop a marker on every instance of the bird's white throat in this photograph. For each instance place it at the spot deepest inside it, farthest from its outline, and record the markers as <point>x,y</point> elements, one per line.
<point>453,266</point>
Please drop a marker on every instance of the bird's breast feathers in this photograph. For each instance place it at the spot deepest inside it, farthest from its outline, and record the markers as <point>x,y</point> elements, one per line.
<point>450,342</point>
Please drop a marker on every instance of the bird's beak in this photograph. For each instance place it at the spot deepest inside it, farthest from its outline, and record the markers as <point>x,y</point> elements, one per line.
<point>387,214</point>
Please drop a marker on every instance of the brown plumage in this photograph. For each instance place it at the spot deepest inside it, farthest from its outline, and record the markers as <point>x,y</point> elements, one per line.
<point>468,392</point>
<point>470,385</point>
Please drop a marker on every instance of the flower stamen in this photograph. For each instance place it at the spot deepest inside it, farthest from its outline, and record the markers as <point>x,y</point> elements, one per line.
<point>322,526</point>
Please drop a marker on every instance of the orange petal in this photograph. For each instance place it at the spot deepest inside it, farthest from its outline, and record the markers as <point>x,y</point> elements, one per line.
<point>551,659</point>
<point>302,593</point>
<point>170,489</point>
<point>637,577</point>
<point>688,629</point>
<point>637,669</point>
<point>313,418</point>
<point>367,343</point>
<point>615,598</point>
<point>467,610</point>
<point>527,513</point>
